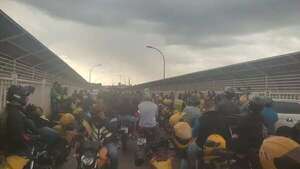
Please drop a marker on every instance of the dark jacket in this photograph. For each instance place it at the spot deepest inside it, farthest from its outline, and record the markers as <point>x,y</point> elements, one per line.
<point>211,123</point>
<point>250,133</point>
<point>229,110</point>
<point>16,128</point>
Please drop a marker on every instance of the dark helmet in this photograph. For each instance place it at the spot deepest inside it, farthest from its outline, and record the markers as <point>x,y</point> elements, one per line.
<point>256,104</point>
<point>18,94</point>
<point>268,102</point>
<point>229,92</point>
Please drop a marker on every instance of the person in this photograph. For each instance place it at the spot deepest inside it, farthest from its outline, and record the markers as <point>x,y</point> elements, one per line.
<point>250,127</point>
<point>249,133</point>
<point>162,157</point>
<point>191,150</point>
<point>290,132</point>
<point>87,103</point>
<point>182,138</point>
<point>102,131</point>
<point>66,127</point>
<point>270,116</point>
<point>244,101</point>
<point>17,123</point>
<point>35,114</point>
<point>179,104</point>
<point>277,152</point>
<point>56,98</point>
<point>214,143</point>
<point>211,122</point>
<point>148,113</point>
<point>227,106</point>
<point>296,132</point>
<point>192,113</point>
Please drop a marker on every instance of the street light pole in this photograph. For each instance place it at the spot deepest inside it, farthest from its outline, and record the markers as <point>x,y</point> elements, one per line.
<point>163,56</point>
<point>91,70</point>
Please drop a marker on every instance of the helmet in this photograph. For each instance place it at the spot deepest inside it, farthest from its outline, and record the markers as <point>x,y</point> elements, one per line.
<point>183,134</point>
<point>18,94</point>
<point>229,92</point>
<point>67,119</point>
<point>175,118</point>
<point>213,142</point>
<point>15,161</point>
<point>256,104</point>
<point>183,130</point>
<point>274,147</point>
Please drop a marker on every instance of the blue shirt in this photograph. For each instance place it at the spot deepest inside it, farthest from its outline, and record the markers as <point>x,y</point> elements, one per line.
<point>270,118</point>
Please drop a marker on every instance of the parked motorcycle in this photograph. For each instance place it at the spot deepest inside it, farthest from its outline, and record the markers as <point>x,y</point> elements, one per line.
<point>91,151</point>
<point>159,154</point>
<point>140,152</point>
<point>38,158</point>
<point>88,155</point>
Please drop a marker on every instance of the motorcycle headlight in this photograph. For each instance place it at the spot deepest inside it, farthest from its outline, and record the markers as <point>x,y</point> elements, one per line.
<point>87,161</point>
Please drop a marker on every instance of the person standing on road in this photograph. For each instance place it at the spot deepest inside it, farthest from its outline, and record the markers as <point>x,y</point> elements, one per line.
<point>270,116</point>
<point>148,115</point>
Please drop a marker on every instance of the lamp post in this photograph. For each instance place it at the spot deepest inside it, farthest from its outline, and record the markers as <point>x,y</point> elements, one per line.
<point>91,70</point>
<point>163,56</point>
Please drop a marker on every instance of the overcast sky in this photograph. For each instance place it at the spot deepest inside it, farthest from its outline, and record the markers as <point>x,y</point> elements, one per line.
<point>193,34</point>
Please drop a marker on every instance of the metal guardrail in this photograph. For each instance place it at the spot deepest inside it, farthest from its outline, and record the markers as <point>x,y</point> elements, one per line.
<point>277,84</point>
<point>10,67</point>
<point>15,72</point>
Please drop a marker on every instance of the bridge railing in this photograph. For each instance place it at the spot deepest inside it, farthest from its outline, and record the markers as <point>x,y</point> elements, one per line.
<point>282,87</point>
<point>14,72</point>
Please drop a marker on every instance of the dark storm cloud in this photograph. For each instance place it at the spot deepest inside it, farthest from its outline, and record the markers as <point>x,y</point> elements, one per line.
<point>203,23</point>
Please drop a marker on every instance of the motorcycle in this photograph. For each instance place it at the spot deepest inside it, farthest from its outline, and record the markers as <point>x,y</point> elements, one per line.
<point>88,155</point>
<point>91,153</point>
<point>38,158</point>
<point>159,154</point>
<point>124,132</point>
<point>140,152</point>
<point>218,159</point>
<point>162,155</point>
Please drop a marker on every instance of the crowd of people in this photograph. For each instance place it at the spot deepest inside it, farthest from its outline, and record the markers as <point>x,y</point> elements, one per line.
<point>243,124</point>
<point>195,125</point>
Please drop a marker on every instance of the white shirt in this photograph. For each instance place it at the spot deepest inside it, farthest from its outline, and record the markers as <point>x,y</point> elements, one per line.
<point>148,113</point>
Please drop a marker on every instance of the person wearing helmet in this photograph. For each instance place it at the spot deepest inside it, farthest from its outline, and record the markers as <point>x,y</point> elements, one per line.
<point>244,101</point>
<point>192,113</point>
<point>211,122</point>
<point>102,130</point>
<point>250,127</point>
<point>228,107</point>
<point>270,116</point>
<point>66,126</point>
<point>181,138</point>
<point>17,122</point>
<point>249,133</point>
<point>277,152</point>
<point>55,99</point>
<point>214,143</point>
